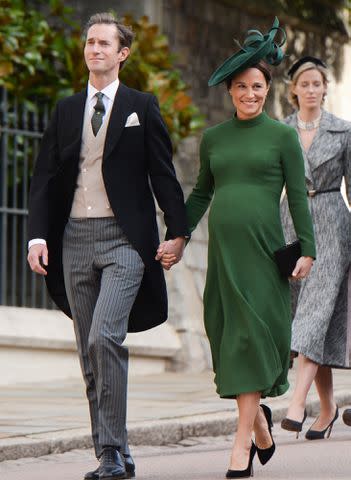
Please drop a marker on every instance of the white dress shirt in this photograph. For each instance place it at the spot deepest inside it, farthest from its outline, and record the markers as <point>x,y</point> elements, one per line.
<point>108,98</point>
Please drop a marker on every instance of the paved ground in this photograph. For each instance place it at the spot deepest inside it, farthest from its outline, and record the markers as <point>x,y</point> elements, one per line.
<point>41,419</point>
<point>203,458</point>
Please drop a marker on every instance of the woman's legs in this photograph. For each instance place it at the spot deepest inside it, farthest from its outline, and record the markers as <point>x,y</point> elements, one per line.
<point>248,407</point>
<point>324,384</point>
<point>306,373</point>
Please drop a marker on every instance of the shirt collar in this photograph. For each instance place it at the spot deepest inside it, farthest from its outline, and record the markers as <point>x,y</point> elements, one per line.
<point>110,91</point>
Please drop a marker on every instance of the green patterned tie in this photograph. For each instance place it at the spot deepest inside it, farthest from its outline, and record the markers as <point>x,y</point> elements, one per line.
<point>96,119</point>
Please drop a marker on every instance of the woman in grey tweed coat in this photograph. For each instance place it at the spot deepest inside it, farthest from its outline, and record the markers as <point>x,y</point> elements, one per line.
<point>321,330</point>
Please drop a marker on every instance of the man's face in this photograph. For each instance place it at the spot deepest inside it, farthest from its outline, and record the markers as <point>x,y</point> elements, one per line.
<point>101,51</point>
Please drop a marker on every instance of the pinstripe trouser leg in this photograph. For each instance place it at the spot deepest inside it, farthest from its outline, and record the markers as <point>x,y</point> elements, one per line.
<point>103,273</point>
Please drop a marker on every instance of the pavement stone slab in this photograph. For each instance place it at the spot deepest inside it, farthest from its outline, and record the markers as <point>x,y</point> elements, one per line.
<point>39,419</point>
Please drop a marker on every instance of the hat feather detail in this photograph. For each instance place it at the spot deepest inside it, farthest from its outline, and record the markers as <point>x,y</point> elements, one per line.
<point>256,47</point>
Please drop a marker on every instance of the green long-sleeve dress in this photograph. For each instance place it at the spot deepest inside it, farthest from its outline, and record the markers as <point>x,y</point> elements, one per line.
<point>244,165</point>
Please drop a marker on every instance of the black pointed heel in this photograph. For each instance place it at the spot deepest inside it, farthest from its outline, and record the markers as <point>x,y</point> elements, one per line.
<point>318,435</point>
<point>248,472</point>
<point>265,454</point>
<point>293,425</point>
<point>346,416</point>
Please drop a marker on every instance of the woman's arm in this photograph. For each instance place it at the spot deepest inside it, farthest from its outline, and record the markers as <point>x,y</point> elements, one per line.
<point>200,197</point>
<point>294,175</point>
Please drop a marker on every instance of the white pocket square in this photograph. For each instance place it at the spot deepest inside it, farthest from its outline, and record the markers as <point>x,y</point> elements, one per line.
<point>132,120</point>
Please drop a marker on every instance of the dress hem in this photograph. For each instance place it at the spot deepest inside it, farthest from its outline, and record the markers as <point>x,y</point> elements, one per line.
<point>274,391</point>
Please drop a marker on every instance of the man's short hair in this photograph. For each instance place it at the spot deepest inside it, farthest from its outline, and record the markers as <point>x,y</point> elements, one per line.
<point>125,33</point>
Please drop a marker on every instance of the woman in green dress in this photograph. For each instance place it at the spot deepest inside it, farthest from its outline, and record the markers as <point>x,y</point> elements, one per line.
<point>244,164</point>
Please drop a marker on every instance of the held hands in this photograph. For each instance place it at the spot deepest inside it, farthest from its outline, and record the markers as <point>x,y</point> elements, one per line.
<point>302,268</point>
<point>38,256</point>
<point>170,252</point>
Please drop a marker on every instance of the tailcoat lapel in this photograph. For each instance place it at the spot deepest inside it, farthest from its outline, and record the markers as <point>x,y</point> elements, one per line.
<point>121,108</point>
<point>75,122</point>
<point>322,151</point>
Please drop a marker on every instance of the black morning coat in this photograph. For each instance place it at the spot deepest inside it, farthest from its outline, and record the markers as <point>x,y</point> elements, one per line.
<point>133,158</point>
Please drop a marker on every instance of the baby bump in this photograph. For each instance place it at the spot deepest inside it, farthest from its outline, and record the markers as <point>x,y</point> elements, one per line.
<point>244,207</point>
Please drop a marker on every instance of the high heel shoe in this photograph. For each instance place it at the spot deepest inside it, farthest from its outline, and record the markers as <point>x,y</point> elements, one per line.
<point>319,434</point>
<point>346,416</point>
<point>265,454</point>
<point>293,425</point>
<point>248,472</point>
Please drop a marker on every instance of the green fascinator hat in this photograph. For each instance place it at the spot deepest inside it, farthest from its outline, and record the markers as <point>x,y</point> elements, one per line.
<point>256,47</point>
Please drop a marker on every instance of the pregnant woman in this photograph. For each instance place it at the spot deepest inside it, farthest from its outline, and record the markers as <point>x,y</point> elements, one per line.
<point>244,164</point>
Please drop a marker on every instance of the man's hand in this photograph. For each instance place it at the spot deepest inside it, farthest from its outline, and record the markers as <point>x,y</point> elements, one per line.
<point>36,253</point>
<point>302,268</point>
<point>170,252</point>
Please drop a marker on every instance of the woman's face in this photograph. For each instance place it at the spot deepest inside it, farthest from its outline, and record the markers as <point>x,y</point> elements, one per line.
<point>310,89</point>
<point>248,91</point>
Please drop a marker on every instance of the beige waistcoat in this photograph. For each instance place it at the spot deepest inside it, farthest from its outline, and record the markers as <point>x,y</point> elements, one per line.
<point>90,198</point>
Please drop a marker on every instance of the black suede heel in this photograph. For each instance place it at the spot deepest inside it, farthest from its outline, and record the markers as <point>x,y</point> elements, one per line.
<point>248,472</point>
<point>318,435</point>
<point>265,454</point>
<point>293,425</point>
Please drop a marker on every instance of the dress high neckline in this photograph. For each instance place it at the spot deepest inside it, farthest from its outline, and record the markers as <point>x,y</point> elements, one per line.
<point>251,122</point>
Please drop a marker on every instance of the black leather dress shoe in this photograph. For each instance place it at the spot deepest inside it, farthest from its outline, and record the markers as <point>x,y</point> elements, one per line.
<point>130,466</point>
<point>94,475</point>
<point>112,466</point>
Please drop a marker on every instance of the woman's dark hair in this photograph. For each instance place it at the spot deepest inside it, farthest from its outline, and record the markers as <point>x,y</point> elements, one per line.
<point>261,66</point>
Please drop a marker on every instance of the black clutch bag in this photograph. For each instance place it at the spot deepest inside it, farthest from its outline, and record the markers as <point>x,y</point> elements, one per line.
<point>287,256</point>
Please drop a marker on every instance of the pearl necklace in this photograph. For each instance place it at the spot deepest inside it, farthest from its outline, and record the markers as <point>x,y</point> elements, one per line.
<point>308,125</point>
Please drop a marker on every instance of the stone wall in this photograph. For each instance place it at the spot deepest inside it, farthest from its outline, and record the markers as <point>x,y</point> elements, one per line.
<point>201,35</point>
<point>38,345</point>
<point>151,8</point>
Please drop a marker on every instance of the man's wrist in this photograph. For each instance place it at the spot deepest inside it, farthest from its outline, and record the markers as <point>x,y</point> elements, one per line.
<point>36,241</point>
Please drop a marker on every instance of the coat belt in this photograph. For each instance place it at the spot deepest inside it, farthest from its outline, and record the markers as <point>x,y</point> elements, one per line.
<point>313,193</point>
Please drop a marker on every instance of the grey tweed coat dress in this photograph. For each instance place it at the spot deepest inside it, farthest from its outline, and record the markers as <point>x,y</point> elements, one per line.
<point>321,328</point>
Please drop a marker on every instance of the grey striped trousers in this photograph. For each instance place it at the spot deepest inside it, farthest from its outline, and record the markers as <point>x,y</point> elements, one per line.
<point>103,273</point>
